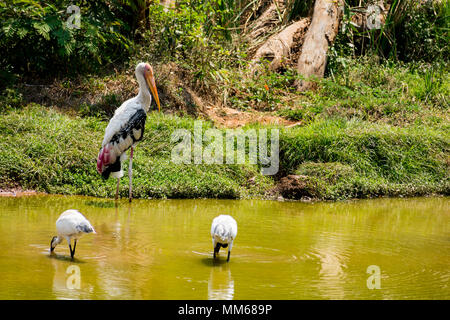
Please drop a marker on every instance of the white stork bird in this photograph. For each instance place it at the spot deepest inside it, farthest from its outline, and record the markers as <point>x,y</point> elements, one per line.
<point>70,224</point>
<point>126,128</point>
<point>223,233</point>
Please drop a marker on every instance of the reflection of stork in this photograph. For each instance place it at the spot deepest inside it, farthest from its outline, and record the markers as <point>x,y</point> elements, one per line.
<point>223,233</point>
<point>220,283</point>
<point>70,224</point>
<point>126,128</point>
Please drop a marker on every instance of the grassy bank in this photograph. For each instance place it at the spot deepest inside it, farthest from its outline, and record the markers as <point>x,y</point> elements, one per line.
<point>45,150</point>
<point>354,159</point>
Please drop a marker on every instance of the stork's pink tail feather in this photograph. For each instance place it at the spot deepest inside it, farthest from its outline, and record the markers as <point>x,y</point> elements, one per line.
<point>103,159</point>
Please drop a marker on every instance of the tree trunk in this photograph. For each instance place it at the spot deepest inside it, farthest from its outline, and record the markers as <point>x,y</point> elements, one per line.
<point>320,36</point>
<point>278,47</point>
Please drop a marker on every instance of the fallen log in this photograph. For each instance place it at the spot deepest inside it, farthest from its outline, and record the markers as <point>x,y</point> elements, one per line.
<point>278,47</point>
<point>320,36</point>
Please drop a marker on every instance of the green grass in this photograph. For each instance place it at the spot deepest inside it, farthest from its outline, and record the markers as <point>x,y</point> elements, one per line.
<point>49,151</point>
<point>355,159</point>
<point>393,93</point>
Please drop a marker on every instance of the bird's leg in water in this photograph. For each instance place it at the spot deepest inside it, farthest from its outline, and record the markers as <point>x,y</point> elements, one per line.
<point>117,189</point>
<point>74,246</point>
<point>229,250</point>
<point>216,250</point>
<point>130,171</point>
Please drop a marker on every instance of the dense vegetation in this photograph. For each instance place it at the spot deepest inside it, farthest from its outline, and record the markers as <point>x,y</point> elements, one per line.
<point>377,124</point>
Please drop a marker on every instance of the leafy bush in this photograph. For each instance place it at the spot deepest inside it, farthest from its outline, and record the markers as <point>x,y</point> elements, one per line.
<point>35,36</point>
<point>196,35</point>
<point>412,31</point>
<point>423,33</point>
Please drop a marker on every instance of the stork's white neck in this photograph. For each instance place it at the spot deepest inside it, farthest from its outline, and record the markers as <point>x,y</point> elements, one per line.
<point>144,96</point>
<point>57,241</point>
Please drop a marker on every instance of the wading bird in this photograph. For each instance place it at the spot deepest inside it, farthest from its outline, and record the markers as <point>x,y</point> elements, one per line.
<point>71,224</point>
<point>223,233</point>
<point>126,128</point>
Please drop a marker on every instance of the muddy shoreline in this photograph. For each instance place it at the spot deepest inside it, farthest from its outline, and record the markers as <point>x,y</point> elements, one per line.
<point>17,192</point>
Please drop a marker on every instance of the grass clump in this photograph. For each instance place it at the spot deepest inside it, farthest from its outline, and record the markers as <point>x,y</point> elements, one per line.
<point>354,159</point>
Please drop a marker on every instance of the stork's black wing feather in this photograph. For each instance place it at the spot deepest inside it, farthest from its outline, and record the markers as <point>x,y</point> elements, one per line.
<point>134,128</point>
<point>136,123</point>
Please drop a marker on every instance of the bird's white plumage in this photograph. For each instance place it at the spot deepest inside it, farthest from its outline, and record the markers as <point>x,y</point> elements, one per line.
<point>223,229</point>
<point>114,146</point>
<point>123,114</point>
<point>71,224</point>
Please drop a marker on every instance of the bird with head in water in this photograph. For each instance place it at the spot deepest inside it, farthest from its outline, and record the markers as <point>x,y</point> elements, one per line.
<point>223,233</point>
<point>71,224</point>
<point>126,128</point>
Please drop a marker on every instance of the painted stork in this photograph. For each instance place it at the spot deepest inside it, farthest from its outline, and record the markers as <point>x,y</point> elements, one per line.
<point>126,128</point>
<point>223,233</point>
<point>70,224</point>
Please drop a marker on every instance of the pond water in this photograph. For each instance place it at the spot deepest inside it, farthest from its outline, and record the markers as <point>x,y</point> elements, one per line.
<point>161,249</point>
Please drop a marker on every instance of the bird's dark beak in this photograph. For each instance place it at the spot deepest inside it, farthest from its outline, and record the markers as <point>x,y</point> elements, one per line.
<point>152,86</point>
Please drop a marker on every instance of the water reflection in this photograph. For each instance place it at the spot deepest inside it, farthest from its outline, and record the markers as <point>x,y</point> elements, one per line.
<point>66,279</point>
<point>124,253</point>
<point>220,283</point>
<point>332,272</point>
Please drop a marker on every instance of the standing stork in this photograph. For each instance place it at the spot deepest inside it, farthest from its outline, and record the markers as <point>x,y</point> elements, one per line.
<point>126,128</point>
<point>71,224</point>
<point>223,233</point>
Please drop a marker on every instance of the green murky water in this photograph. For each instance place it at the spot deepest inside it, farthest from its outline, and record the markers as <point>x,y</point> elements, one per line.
<point>284,250</point>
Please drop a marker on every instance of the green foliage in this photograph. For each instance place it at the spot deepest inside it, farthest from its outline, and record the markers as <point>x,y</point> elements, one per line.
<point>264,90</point>
<point>35,37</point>
<point>412,31</point>
<point>423,33</point>
<point>196,36</point>
<point>389,91</point>
<point>346,145</point>
<point>300,8</point>
<point>10,98</point>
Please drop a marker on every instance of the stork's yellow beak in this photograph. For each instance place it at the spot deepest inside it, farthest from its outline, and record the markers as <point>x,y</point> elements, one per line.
<point>152,85</point>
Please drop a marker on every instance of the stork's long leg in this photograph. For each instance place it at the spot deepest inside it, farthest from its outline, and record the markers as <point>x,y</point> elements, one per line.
<point>229,250</point>
<point>74,247</point>
<point>117,189</point>
<point>130,172</point>
<point>216,249</point>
